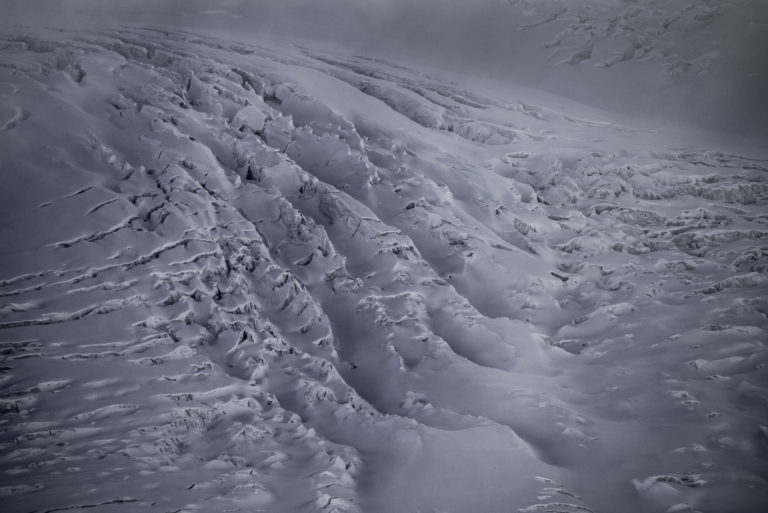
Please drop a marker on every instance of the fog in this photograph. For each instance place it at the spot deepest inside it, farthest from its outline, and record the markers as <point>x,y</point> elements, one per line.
<point>692,61</point>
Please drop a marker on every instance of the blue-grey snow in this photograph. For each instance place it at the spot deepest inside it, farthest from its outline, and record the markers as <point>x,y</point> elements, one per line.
<point>294,273</point>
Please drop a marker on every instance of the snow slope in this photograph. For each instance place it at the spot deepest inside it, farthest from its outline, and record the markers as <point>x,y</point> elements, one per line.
<point>250,278</point>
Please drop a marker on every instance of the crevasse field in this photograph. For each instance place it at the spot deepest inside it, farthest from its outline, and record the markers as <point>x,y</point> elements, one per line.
<point>273,277</point>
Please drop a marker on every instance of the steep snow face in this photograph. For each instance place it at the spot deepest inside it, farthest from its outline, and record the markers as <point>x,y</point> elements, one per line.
<point>240,278</point>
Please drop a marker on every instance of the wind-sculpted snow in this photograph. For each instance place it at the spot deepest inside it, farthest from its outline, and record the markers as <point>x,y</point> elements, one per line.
<point>247,279</point>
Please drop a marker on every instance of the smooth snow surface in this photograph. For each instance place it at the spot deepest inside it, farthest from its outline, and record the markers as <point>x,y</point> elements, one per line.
<point>249,278</point>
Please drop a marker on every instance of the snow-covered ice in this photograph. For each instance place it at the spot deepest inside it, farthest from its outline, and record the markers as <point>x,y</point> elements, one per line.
<point>259,277</point>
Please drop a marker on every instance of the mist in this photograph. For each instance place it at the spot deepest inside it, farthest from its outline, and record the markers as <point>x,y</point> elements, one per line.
<point>697,62</point>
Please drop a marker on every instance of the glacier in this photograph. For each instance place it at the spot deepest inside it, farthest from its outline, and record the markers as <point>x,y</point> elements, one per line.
<point>239,275</point>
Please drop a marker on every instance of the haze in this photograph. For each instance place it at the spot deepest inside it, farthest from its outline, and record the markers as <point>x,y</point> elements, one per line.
<point>681,64</point>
